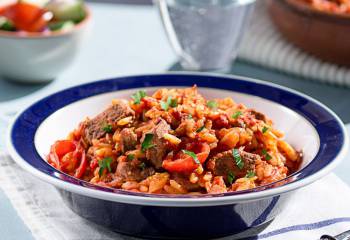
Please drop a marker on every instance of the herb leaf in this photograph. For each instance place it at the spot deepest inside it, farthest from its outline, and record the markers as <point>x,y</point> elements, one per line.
<point>265,129</point>
<point>138,96</point>
<point>165,105</point>
<point>130,157</point>
<point>200,129</point>
<point>173,103</point>
<point>192,155</point>
<point>230,177</point>
<point>237,114</point>
<point>147,142</point>
<point>105,164</point>
<point>107,128</point>
<point>212,104</point>
<point>169,103</point>
<point>238,159</point>
<point>266,155</point>
<point>250,174</point>
<point>142,165</point>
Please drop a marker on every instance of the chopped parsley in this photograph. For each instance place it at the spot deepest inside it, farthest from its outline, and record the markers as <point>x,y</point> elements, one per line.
<point>238,159</point>
<point>105,164</point>
<point>107,128</point>
<point>138,96</point>
<point>192,155</point>
<point>169,103</point>
<point>230,177</point>
<point>142,165</point>
<point>265,129</point>
<point>190,116</point>
<point>147,142</point>
<point>266,155</point>
<point>236,114</point>
<point>173,103</point>
<point>212,104</point>
<point>250,174</point>
<point>131,157</point>
<point>200,129</point>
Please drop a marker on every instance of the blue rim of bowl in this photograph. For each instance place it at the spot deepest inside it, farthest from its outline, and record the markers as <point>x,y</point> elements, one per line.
<point>331,131</point>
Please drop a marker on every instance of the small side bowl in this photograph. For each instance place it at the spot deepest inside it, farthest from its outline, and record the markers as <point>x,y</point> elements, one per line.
<point>322,34</point>
<point>39,57</point>
<point>309,126</point>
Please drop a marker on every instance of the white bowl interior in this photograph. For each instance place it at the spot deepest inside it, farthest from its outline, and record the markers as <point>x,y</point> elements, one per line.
<point>298,131</point>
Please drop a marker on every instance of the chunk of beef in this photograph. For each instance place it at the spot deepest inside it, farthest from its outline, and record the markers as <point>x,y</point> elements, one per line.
<point>258,115</point>
<point>224,163</point>
<point>93,128</point>
<point>157,153</point>
<point>129,171</point>
<point>128,140</point>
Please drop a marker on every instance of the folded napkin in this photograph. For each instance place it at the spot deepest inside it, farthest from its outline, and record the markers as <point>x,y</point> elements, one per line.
<point>321,208</point>
<point>263,45</point>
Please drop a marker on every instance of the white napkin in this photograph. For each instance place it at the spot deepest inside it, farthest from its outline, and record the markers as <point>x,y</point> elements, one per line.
<point>263,45</point>
<point>321,208</point>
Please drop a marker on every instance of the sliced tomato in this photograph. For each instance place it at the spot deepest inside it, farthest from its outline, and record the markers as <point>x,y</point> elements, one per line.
<point>184,163</point>
<point>63,147</point>
<point>79,172</point>
<point>26,16</point>
<point>65,155</point>
<point>58,150</point>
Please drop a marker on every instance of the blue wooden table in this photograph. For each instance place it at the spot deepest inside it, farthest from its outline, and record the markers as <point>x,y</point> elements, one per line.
<point>129,39</point>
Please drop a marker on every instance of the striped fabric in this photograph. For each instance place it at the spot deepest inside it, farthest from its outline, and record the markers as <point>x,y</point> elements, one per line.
<point>264,46</point>
<point>49,219</point>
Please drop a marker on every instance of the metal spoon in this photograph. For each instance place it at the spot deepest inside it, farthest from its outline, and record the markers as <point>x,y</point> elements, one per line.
<point>342,236</point>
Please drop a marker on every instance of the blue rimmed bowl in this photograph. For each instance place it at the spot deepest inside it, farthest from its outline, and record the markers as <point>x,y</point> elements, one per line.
<point>309,126</point>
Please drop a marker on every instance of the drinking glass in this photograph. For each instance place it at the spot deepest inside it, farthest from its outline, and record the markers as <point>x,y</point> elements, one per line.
<point>205,34</point>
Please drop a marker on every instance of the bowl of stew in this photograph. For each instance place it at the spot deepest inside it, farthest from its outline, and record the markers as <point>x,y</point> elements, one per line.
<point>320,28</point>
<point>38,42</point>
<point>168,155</point>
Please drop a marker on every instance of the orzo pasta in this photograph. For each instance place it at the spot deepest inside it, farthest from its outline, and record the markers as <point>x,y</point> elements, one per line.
<point>176,142</point>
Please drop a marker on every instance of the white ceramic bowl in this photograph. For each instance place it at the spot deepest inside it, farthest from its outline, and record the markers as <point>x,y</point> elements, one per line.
<point>39,57</point>
<point>309,126</point>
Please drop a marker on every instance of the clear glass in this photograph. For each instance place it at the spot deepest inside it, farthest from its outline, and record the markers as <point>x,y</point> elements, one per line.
<point>205,34</point>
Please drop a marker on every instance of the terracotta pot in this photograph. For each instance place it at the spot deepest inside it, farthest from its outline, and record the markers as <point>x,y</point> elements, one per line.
<point>323,34</point>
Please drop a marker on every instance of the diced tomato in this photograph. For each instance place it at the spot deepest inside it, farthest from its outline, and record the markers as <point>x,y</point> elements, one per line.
<point>184,163</point>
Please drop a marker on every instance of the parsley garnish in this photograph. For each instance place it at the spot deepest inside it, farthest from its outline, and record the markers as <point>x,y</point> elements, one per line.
<point>230,177</point>
<point>138,96</point>
<point>107,128</point>
<point>265,129</point>
<point>200,129</point>
<point>190,116</point>
<point>212,104</point>
<point>173,103</point>
<point>169,103</point>
<point>142,165</point>
<point>147,142</point>
<point>105,164</point>
<point>266,155</point>
<point>237,114</point>
<point>130,157</point>
<point>250,174</point>
<point>192,155</point>
<point>238,159</point>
